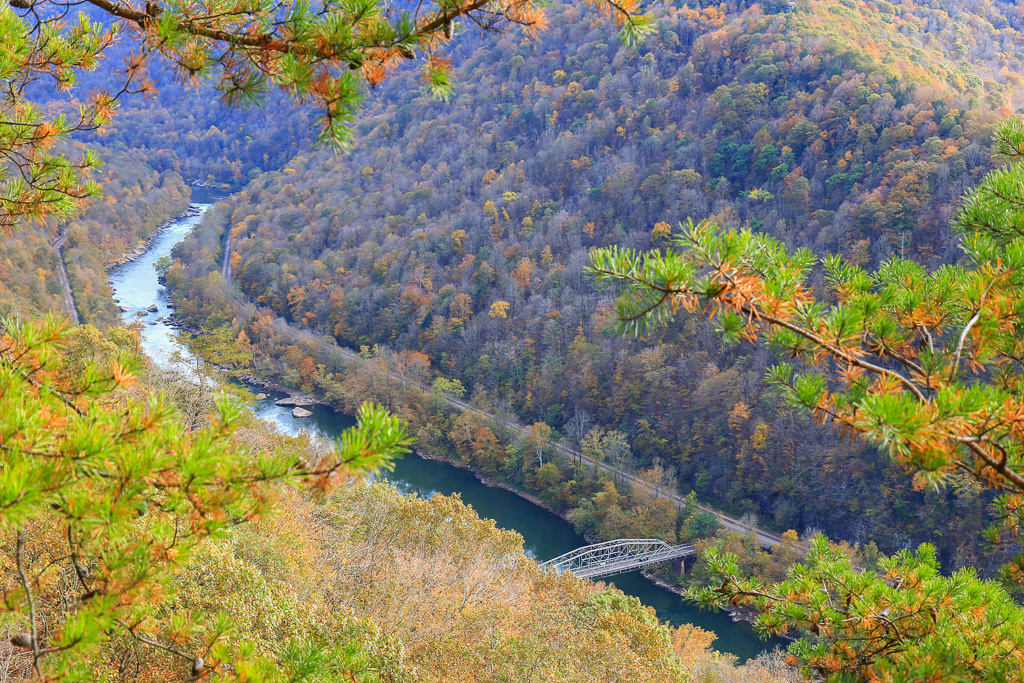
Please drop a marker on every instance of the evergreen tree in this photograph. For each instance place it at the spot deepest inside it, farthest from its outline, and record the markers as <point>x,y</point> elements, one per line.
<point>925,365</point>
<point>104,495</point>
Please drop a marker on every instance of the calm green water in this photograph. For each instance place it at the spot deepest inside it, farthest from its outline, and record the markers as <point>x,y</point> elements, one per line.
<point>544,535</point>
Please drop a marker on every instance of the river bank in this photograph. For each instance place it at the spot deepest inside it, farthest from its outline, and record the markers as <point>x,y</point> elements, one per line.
<point>546,534</point>
<point>140,249</point>
<point>744,616</point>
<point>495,484</point>
<point>736,615</point>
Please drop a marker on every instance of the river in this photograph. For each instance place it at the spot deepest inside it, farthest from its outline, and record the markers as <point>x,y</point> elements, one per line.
<point>545,535</point>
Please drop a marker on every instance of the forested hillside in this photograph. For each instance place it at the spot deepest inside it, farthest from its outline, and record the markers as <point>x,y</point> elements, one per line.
<point>151,152</point>
<point>153,528</point>
<point>184,125</point>
<point>192,132</point>
<point>460,230</point>
<point>341,580</point>
<point>450,271</point>
<point>137,200</point>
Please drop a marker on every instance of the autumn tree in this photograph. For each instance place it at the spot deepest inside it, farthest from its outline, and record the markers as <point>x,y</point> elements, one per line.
<point>926,366</point>
<point>232,352</point>
<point>443,388</point>
<point>537,440</point>
<point>499,309</point>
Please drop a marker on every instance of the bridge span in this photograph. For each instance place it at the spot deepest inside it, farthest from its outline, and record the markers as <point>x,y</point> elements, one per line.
<point>617,557</point>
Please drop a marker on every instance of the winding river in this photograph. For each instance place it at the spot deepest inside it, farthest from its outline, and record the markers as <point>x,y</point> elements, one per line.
<point>544,535</point>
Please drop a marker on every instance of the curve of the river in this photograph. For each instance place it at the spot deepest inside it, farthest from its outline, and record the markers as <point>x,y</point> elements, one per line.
<point>545,535</point>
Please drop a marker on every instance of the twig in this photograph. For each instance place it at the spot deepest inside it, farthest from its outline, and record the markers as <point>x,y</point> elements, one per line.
<point>31,603</point>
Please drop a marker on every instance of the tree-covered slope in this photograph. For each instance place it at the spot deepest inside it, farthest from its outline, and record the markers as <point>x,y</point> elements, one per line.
<point>461,229</point>
<point>137,199</point>
<point>277,561</point>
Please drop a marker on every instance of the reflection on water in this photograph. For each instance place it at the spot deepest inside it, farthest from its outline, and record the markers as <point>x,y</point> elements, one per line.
<point>544,535</point>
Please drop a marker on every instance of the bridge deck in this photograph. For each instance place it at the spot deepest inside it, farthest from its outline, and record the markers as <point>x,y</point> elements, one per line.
<point>617,557</point>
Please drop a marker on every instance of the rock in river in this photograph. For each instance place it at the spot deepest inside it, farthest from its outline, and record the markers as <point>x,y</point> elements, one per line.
<point>301,412</point>
<point>152,308</point>
<point>261,396</point>
<point>296,401</point>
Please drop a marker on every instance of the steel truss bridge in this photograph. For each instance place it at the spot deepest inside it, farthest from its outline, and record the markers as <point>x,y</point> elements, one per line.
<point>617,557</point>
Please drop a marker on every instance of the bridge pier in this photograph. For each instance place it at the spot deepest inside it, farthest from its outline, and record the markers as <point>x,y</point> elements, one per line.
<point>678,566</point>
